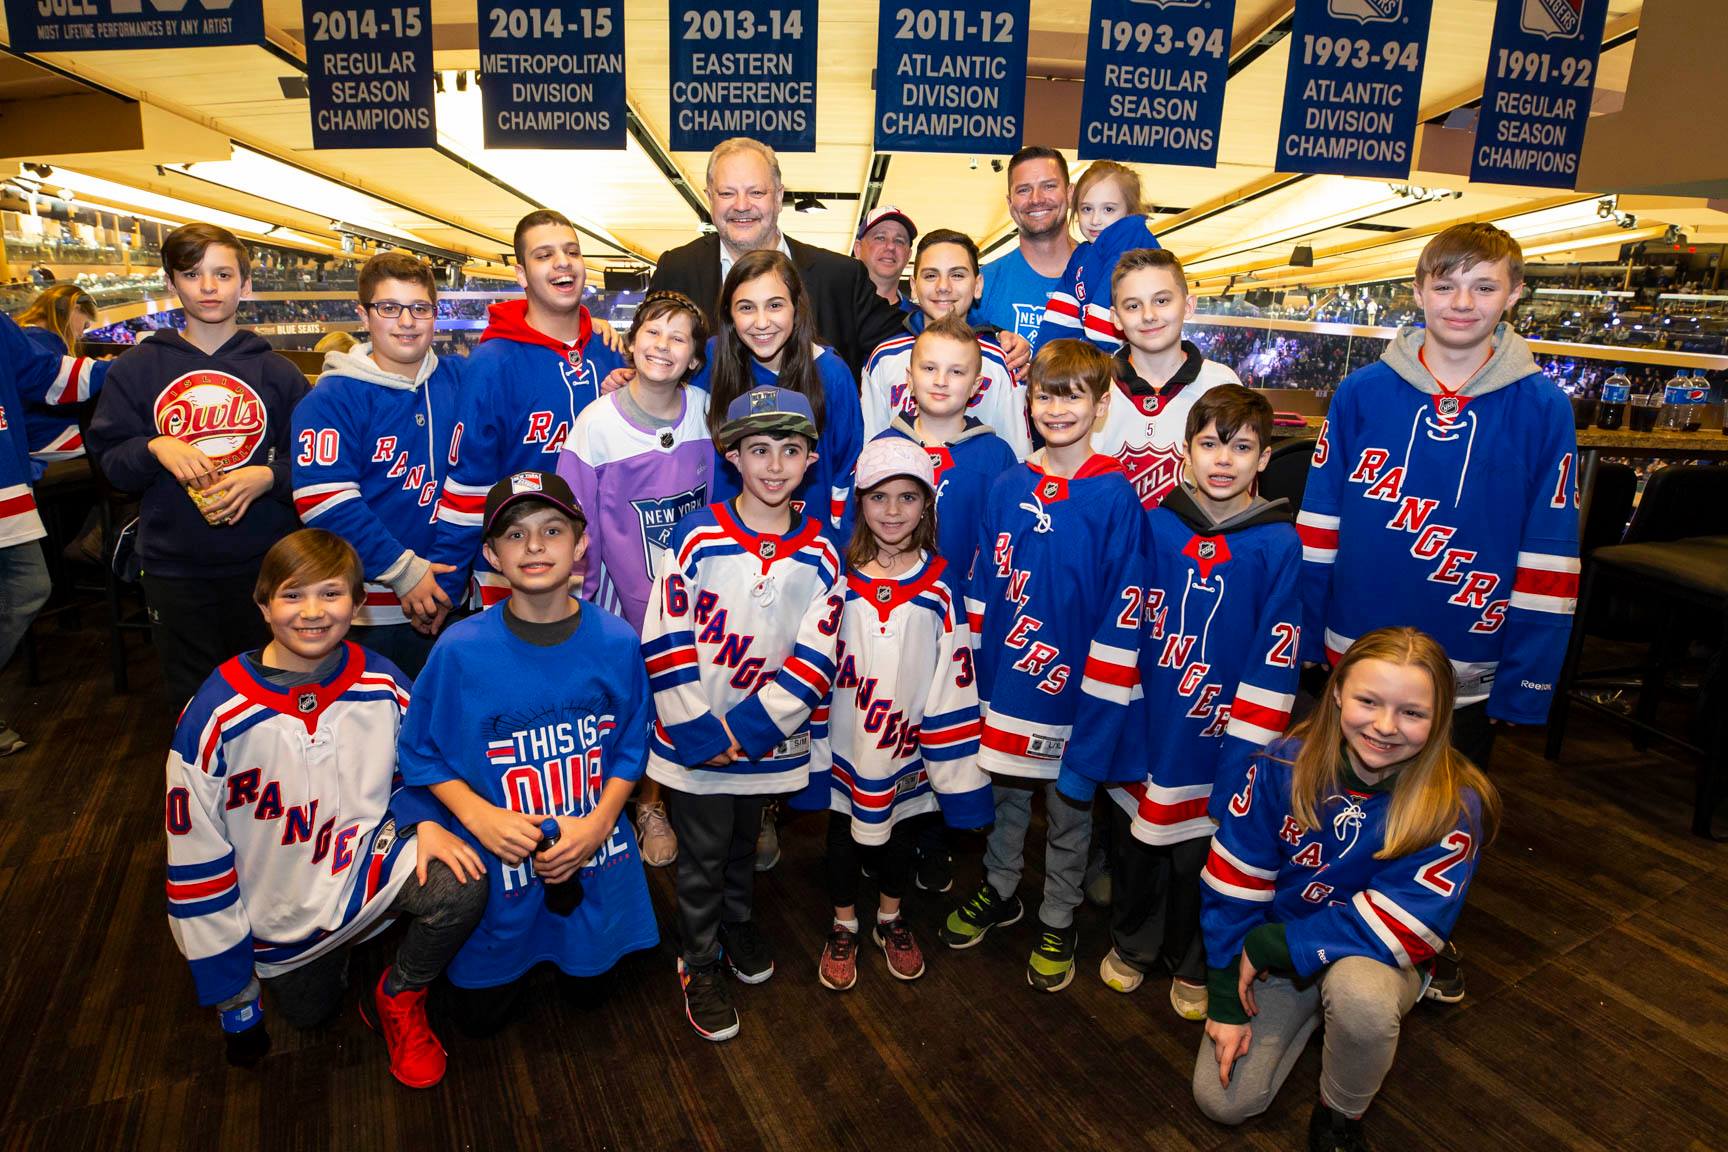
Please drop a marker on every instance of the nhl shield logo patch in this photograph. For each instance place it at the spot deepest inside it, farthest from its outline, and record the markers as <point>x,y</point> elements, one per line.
<point>884,593</point>
<point>1208,550</point>
<point>767,549</point>
<point>1050,490</point>
<point>666,438</point>
<point>1552,19</point>
<point>1366,11</point>
<point>306,702</point>
<point>1446,405</point>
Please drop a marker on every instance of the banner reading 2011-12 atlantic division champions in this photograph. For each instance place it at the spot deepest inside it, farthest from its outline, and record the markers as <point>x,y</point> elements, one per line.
<point>951,77</point>
<point>1350,98</point>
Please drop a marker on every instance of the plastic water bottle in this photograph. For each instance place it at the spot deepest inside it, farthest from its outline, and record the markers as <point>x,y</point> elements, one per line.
<point>561,899</point>
<point>1672,418</point>
<point>1616,392</point>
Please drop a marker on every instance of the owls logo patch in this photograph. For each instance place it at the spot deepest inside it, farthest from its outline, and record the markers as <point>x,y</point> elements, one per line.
<point>218,414</point>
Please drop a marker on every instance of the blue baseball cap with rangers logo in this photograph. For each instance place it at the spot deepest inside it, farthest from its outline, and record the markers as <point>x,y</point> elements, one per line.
<point>545,487</point>
<point>767,410</point>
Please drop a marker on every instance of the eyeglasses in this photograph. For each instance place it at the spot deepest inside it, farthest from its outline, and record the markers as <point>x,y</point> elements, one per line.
<point>390,309</point>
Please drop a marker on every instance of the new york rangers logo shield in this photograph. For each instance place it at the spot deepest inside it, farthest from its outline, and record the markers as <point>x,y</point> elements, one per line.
<point>1366,11</point>
<point>1169,3</point>
<point>657,516</point>
<point>1552,19</point>
<point>1151,470</point>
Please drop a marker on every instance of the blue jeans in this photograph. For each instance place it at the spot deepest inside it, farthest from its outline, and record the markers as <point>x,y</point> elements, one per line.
<point>24,588</point>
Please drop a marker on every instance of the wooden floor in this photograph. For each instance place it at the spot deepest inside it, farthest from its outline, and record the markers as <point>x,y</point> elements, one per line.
<point>1595,943</point>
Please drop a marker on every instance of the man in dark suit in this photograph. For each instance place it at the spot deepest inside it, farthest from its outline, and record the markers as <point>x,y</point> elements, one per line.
<point>744,198</point>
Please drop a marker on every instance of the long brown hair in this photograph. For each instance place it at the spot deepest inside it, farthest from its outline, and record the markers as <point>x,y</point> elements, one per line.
<point>53,310</point>
<point>1428,792</point>
<point>731,374</point>
<point>862,548</point>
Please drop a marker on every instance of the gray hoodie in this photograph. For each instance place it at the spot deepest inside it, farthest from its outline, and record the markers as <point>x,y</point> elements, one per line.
<point>1510,363</point>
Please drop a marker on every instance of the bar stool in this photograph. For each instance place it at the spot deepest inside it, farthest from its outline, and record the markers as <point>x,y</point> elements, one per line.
<point>1675,557</point>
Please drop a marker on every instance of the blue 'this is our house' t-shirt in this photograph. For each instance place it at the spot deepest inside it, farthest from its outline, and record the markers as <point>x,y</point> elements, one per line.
<point>1014,295</point>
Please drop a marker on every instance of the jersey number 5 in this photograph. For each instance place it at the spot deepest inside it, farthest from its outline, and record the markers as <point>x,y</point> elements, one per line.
<point>1433,877</point>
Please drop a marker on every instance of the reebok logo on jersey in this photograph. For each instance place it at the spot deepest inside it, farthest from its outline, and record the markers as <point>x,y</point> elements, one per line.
<point>218,414</point>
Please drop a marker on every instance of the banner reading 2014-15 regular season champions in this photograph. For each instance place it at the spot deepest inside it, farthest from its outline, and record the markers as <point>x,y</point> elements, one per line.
<point>552,73</point>
<point>1350,99</point>
<point>369,73</point>
<point>744,68</point>
<point>106,25</point>
<point>1536,99</point>
<point>951,77</point>
<point>1155,81</point>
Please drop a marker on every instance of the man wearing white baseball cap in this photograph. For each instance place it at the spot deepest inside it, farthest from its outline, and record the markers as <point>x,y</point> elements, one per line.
<point>884,242</point>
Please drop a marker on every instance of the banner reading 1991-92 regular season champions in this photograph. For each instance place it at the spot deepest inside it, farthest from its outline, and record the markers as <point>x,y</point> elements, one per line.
<point>1155,81</point>
<point>369,73</point>
<point>951,77</point>
<point>552,73</point>
<point>106,25</point>
<point>1350,98</point>
<point>744,68</point>
<point>1536,99</point>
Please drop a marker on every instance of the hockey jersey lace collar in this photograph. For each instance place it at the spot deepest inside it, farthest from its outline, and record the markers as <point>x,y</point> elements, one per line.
<point>766,546</point>
<point>1053,489</point>
<point>1510,363</point>
<point>1186,509</point>
<point>508,320</point>
<point>305,702</point>
<point>885,594</point>
<point>974,428</point>
<point>1132,383</point>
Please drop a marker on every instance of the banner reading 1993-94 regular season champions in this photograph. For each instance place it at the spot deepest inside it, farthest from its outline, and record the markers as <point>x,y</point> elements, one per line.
<point>1350,99</point>
<point>105,25</point>
<point>552,73</point>
<point>1536,99</point>
<point>1155,81</point>
<point>951,77</point>
<point>744,68</point>
<point>369,73</point>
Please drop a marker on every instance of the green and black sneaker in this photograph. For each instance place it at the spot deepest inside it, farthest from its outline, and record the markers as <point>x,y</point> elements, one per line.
<point>977,914</point>
<point>1052,964</point>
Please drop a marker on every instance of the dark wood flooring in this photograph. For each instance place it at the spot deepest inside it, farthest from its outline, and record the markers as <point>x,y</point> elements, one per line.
<point>1595,945</point>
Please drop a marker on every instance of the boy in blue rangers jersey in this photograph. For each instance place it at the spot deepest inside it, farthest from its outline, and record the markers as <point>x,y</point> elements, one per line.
<point>539,363</point>
<point>371,442</point>
<point>537,709</point>
<point>288,841</point>
<point>1341,862</point>
<point>740,636</point>
<point>1218,676</point>
<point>1442,494</point>
<point>1055,604</point>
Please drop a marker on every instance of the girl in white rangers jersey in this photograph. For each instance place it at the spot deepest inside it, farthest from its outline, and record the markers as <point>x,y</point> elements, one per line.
<point>903,724</point>
<point>287,840</point>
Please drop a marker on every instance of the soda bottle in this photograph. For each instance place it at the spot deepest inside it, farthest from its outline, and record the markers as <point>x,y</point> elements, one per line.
<point>1616,391</point>
<point>561,899</point>
<point>1696,398</point>
<point>1672,418</point>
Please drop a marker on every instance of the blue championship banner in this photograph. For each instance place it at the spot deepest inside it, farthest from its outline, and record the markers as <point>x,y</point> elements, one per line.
<point>552,73</point>
<point>744,68</point>
<point>1354,82</point>
<point>1536,99</point>
<point>369,72</point>
<point>951,78</point>
<point>1155,75</point>
<point>105,25</point>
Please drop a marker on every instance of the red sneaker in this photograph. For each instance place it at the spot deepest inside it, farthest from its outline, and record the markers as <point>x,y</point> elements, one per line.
<point>416,1057</point>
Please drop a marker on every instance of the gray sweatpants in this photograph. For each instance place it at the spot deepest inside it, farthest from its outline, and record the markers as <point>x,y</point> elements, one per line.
<point>1068,834</point>
<point>1363,1003</point>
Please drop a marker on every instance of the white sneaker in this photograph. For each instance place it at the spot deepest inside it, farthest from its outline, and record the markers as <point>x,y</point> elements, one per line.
<point>1118,975</point>
<point>1189,1001</point>
<point>654,833</point>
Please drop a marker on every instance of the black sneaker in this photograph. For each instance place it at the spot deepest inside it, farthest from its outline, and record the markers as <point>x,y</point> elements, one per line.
<point>935,870</point>
<point>1051,966</point>
<point>977,914</point>
<point>746,952</point>
<point>1447,984</point>
<point>706,1005</point>
<point>1330,1131</point>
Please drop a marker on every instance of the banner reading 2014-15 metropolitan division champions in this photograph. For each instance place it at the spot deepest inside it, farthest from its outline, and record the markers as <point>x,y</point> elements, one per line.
<point>1536,99</point>
<point>1350,99</point>
<point>951,77</point>
<point>744,68</point>
<point>1155,81</point>
<point>552,73</point>
<point>106,25</point>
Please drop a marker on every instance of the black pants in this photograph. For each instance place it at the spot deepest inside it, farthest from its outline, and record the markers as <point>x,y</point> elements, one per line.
<point>1155,900</point>
<point>891,861</point>
<point>716,868</point>
<point>1472,734</point>
<point>444,912</point>
<point>198,623</point>
<point>398,643</point>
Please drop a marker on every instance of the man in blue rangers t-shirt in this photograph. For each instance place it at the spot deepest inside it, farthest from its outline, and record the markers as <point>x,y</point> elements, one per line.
<point>1016,285</point>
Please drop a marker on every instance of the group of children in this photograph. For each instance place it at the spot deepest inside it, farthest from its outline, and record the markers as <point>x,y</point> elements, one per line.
<point>1057,585</point>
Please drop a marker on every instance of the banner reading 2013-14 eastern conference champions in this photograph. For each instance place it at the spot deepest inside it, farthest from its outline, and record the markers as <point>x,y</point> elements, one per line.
<point>552,73</point>
<point>744,68</point>
<point>1536,99</point>
<point>106,25</point>
<point>951,77</point>
<point>1350,98</point>
<point>369,73</point>
<point>1155,81</point>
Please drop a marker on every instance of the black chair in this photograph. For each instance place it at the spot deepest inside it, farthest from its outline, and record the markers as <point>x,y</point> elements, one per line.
<point>1674,560</point>
<point>1286,472</point>
<point>111,504</point>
